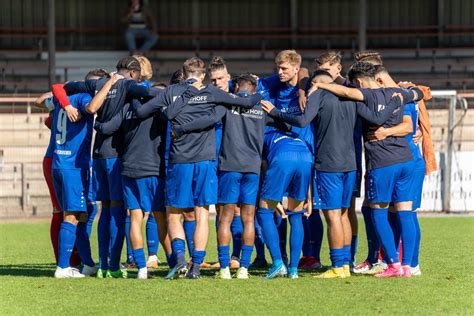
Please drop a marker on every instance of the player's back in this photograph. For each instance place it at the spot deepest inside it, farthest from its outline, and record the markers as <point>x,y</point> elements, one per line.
<point>280,145</point>
<point>412,110</point>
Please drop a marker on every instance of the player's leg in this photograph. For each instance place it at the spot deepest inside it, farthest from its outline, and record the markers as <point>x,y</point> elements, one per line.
<point>260,261</point>
<point>159,215</point>
<point>189,225</point>
<point>354,230</point>
<point>136,240</point>
<point>152,242</point>
<point>130,263</point>
<point>281,223</point>
<point>177,237</point>
<point>91,205</point>
<point>67,239</point>
<point>103,231</point>
<point>57,217</point>
<point>349,179</point>
<point>418,190</point>
<point>236,229</point>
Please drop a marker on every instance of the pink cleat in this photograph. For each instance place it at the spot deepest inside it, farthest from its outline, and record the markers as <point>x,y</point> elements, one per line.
<point>393,270</point>
<point>406,271</point>
<point>312,264</point>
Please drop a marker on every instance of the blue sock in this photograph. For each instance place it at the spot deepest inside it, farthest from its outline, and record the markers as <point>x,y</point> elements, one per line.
<point>67,239</point>
<point>189,228</point>
<point>152,235</point>
<point>83,244</point>
<point>224,257</point>
<point>246,256</point>
<point>347,255</point>
<point>296,237</point>
<point>394,222</point>
<point>127,239</point>
<point>236,229</point>
<point>217,223</point>
<point>408,231</point>
<point>179,251</point>
<point>270,232</point>
<point>117,236</point>
<point>91,214</point>
<point>170,258</point>
<point>385,234</point>
<point>103,235</point>
<point>416,251</point>
<point>308,238</point>
<point>259,242</point>
<point>354,244</point>
<point>373,243</point>
<point>139,257</point>
<point>282,226</point>
<point>317,229</point>
<point>337,257</point>
<point>198,256</point>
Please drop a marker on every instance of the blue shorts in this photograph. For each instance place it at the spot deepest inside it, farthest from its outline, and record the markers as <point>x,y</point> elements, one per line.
<point>71,187</point>
<point>91,195</point>
<point>289,172</point>
<point>191,184</point>
<point>391,184</point>
<point>335,189</point>
<point>316,199</point>
<point>419,178</point>
<point>238,187</point>
<point>108,179</point>
<point>146,194</point>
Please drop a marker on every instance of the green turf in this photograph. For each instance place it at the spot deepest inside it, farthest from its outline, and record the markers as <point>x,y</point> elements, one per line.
<point>27,285</point>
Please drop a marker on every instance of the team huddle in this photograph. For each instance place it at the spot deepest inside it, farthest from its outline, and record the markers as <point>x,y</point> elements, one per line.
<point>265,151</point>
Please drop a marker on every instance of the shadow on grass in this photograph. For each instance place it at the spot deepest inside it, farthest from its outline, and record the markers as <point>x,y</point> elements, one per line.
<point>28,270</point>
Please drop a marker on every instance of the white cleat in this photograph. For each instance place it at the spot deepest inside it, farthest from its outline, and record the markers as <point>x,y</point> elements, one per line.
<point>142,274</point>
<point>242,273</point>
<point>415,271</point>
<point>224,274</point>
<point>67,273</point>
<point>88,271</point>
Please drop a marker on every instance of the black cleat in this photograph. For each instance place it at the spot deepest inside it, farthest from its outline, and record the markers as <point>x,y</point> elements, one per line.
<point>259,263</point>
<point>194,273</point>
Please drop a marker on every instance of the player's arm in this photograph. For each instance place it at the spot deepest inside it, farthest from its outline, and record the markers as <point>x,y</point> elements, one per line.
<point>411,94</point>
<point>303,76</point>
<point>339,90</point>
<point>379,117</point>
<point>75,87</point>
<point>114,124</point>
<point>200,124</point>
<point>224,98</point>
<point>99,98</point>
<point>296,120</point>
<point>400,130</point>
<point>60,94</point>
<point>156,104</point>
<point>41,101</point>
<point>136,91</point>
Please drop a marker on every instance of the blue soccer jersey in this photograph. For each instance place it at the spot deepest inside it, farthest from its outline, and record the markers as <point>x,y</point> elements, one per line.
<point>72,141</point>
<point>411,109</point>
<point>49,151</point>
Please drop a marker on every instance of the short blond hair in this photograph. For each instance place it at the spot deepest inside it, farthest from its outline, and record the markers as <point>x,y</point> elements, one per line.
<point>146,71</point>
<point>288,56</point>
<point>194,66</point>
<point>332,57</point>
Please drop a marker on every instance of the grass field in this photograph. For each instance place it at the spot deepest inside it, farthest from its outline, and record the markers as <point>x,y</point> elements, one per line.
<point>27,285</point>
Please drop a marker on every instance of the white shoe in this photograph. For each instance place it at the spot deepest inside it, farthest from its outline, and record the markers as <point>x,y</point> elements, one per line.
<point>415,271</point>
<point>88,271</point>
<point>242,273</point>
<point>142,274</point>
<point>67,273</point>
<point>224,274</point>
<point>376,268</point>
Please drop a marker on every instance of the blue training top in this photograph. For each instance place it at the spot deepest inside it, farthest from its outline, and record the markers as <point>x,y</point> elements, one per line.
<point>412,110</point>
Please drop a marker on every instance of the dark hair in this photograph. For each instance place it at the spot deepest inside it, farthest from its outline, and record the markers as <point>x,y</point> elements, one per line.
<point>141,3</point>
<point>159,85</point>
<point>177,77</point>
<point>318,73</point>
<point>247,79</point>
<point>331,56</point>
<point>217,63</point>
<point>129,63</point>
<point>361,70</point>
<point>380,69</point>
<point>369,56</point>
<point>194,66</point>
<point>98,72</point>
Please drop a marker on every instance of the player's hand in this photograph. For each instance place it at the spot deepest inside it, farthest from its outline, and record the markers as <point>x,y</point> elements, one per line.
<point>72,113</point>
<point>313,88</point>
<point>281,210</point>
<point>376,135</point>
<point>406,84</point>
<point>308,206</point>
<point>267,106</point>
<point>397,94</point>
<point>116,77</point>
<point>302,100</point>
<point>418,137</point>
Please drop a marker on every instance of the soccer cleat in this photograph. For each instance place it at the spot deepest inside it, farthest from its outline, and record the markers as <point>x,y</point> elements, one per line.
<point>67,273</point>
<point>234,263</point>
<point>152,262</point>
<point>276,271</point>
<point>194,273</point>
<point>393,270</point>
<point>102,274</point>
<point>312,264</point>
<point>259,263</point>
<point>88,271</point>
<point>293,273</point>
<point>224,274</point>
<point>302,262</point>
<point>406,271</point>
<point>347,270</point>
<point>332,273</point>
<point>415,271</point>
<point>130,264</point>
<point>363,267</point>
<point>377,268</point>
<point>119,274</point>
<point>177,271</point>
<point>242,274</point>
<point>142,274</point>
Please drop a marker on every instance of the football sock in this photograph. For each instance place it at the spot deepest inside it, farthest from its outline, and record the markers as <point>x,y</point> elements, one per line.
<point>408,232</point>
<point>347,255</point>
<point>179,250</point>
<point>103,235</point>
<point>373,243</point>
<point>354,244</point>
<point>246,256</point>
<point>83,244</point>
<point>198,257</point>
<point>170,258</point>
<point>394,222</point>
<point>236,229</point>
<point>259,242</point>
<point>139,257</point>
<point>54,229</point>
<point>91,214</point>
<point>152,242</point>
<point>67,239</point>
<point>223,254</point>
<point>296,237</point>
<point>127,240</point>
<point>189,228</point>
<point>416,251</point>
<point>317,230</point>
<point>270,232</point>
<point>337,257</point>
<point>308,238</point>
<point>117,235</point>
<point>282,227</point>
<point>385,234</point>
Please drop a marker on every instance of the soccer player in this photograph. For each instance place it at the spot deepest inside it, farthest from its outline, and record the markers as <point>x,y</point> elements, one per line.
<point>191,178</point>
<point>389,166</point>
